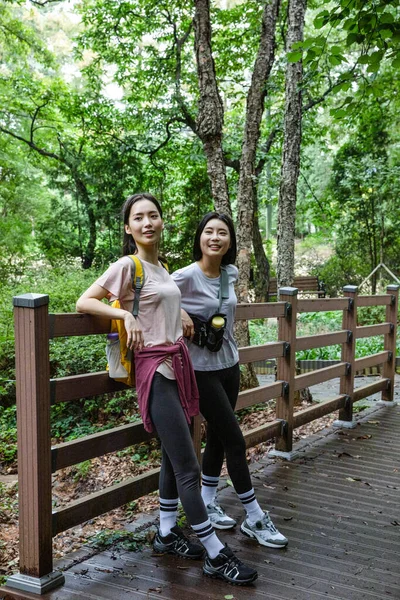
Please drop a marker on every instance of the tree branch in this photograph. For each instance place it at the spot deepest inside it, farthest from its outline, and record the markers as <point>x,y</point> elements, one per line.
<point>32,145</point>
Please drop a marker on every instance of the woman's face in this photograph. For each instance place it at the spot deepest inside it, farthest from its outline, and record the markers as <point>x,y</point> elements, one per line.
<point>215,239</point>
<point>145,223</point>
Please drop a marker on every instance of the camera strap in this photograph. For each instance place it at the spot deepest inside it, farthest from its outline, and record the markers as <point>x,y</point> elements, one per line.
<point>223,292</point>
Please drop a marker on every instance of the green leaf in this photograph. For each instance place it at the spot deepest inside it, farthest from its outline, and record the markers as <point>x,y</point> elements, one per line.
<point>386,18</point>
<point>294,56</point>
<point>376,57</point>
<point>335,60</point>
<point>350,25</point>
<point>352,38</point>
<point>396,62</point>
<point>364,59</point>
<point>373,68</point>
<point>386,33</point>
<point>297,45</point>
<point>336,50</point>
<point>229,597</point>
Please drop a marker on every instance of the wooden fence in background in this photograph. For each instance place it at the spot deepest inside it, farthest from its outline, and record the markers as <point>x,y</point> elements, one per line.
<point>36,393</point>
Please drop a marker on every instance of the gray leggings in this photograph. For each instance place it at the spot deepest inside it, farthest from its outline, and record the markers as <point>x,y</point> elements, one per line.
<point>180,470</point>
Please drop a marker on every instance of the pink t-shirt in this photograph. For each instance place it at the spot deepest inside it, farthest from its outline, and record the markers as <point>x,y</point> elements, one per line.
<point>159,307</point>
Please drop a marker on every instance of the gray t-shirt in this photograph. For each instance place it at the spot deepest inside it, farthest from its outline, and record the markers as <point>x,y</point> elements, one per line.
<point>200,298</point>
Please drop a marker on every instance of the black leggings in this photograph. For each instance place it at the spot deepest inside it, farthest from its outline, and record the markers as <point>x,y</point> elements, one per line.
<point>180,470</point>
<point>218,395</point>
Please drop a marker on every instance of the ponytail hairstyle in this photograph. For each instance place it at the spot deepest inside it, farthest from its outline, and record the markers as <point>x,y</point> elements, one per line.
<point>228,258</point>
<point>128,244</point>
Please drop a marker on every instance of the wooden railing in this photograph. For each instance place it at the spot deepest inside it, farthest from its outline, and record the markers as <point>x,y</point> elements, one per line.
<point>34,327</point>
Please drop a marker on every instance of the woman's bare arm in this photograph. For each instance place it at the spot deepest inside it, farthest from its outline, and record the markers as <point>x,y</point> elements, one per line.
<point>91,303</point>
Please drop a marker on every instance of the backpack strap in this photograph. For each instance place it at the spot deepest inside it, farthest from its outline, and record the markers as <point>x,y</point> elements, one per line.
<point>137,281</point>
<point>223,292</point>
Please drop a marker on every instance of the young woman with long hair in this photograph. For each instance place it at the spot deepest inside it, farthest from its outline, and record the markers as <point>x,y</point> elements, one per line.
<point>217,373</point>
<point>165,384</point>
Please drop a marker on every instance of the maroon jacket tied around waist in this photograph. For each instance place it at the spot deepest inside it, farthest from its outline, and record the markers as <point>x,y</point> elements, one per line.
<point>146,364</point>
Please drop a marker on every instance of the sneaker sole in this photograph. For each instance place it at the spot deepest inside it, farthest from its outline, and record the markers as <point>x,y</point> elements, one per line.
<point>222,526</point>
<point>216,575</point>
<point>262,542</point>
<point>160,551</point>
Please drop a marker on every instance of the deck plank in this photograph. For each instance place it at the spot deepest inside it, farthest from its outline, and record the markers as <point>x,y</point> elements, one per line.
<point>338,505</point>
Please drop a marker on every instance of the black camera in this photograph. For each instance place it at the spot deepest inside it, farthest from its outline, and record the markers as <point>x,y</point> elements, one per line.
<point>209,334</point>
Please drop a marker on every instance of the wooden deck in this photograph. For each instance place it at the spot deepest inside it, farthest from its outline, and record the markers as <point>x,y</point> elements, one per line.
<point>338,503</point>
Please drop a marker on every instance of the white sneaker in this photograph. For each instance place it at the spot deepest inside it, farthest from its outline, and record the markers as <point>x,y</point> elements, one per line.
<point>265,532</point>
<point>218,517</point>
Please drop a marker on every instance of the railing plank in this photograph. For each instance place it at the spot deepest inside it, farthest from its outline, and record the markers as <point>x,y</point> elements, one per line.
<point>76,451</point>
<point>382,300</point>
<point>71,324</point>
<point>371,361</point>
<point>98,503</point>
<point>252,353</point>
<point>308,379</point>
<point>370,389</point>
<point>371,330</point>
<point>265,310</point>
<point>320,410</point>
<point>259,394</point>
<point>322,304</point>
<point>65,389</point>
<point>261,434</point>
<point>320,340</point>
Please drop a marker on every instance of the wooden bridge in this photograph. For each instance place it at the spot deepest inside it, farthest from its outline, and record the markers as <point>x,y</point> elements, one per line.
<point>336,499</point>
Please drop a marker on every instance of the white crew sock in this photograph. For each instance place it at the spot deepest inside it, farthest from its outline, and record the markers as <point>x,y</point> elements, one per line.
<point>208,488</point>
<point>208,538</point>
<point>251,506</point>
<point>168,515</point>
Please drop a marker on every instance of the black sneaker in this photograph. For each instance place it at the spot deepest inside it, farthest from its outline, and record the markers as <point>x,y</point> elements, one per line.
<point>177,543</point>
<point>228,567</point>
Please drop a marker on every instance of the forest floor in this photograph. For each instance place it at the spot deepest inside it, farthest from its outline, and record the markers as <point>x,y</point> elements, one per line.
<point>72,483</point>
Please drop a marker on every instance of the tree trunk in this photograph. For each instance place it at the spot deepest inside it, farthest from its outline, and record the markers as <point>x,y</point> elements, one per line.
<point>210,117</point>
<point>261,277</point>
<point>83,195</point>
<point>254,112</point>
<point>291,149</point>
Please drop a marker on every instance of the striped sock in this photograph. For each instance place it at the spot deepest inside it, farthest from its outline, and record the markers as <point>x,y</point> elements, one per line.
<point>251,506</point>
<point>168,515</point>
<point>208,538</point>
<point>208,488</point>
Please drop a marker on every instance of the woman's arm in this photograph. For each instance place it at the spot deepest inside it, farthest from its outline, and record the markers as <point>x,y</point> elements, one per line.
<point>91,303</point>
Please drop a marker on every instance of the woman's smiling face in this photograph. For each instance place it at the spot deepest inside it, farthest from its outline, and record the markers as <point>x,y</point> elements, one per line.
<point>215,239</point>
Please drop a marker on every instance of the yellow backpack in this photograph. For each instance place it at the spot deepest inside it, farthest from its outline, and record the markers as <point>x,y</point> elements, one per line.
<point>120,365</point>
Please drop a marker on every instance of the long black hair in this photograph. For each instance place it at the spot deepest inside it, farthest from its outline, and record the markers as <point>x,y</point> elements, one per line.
<point>228,258</point>
<point>128,244</point>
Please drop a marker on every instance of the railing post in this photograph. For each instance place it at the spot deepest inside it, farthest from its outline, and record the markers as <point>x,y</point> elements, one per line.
<point>389,368</point>
<point>349,322</point>
<point>196,435</point>
<point>286,369</point>
<point>34,446</point>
